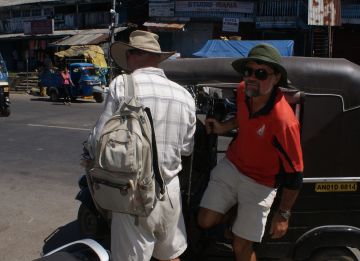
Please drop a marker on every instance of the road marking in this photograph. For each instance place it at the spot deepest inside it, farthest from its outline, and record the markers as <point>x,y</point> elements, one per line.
<point>57,127</point>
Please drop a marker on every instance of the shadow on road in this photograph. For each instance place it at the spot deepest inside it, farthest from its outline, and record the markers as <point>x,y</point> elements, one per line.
<point>61,236</point>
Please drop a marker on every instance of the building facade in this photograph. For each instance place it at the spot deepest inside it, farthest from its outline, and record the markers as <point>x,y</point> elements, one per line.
<point>318,28</point>
<point>28,27</point>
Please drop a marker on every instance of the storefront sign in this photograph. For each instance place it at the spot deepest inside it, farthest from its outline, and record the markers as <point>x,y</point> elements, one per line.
<point>324,13</point>
<point>214,6</point>
<point>230,24</point>
<point>45,26</point>
<point>161,9</point>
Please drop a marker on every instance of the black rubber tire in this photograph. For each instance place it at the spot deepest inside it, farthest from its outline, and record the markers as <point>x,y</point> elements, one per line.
<point>98,97</point>
<point>54,96</point>
<point>6,112</point>
<point>333,254</point>
<point>89,223</point>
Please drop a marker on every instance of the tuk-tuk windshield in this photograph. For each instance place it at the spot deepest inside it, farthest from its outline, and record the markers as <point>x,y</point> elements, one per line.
<point>90,71</point>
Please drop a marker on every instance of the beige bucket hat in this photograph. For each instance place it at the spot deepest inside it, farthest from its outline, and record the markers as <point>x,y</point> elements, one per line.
<point>140,40</point>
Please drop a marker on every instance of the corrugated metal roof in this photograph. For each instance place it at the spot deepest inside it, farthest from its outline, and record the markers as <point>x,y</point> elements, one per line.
<point>5,3</point>
<point>86,37</point>
<point>60,33</point>
<point>82,39</point>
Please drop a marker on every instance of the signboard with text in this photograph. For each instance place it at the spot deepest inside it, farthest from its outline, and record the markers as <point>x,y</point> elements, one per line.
<point>230,24</point>
<point>161,9</point>
<point>214,6</point>
<point>45,26</point>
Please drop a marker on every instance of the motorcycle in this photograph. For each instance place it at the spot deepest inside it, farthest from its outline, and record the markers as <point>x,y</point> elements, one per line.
<point>93,222</point>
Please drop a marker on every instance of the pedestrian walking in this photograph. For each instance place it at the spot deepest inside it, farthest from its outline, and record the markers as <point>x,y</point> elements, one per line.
<point>67,83</point>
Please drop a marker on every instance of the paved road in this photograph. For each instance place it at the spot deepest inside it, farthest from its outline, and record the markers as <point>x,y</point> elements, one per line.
<point>40,146</point>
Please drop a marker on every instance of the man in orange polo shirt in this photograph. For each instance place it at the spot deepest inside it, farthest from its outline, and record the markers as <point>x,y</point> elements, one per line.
<point>268,142</point>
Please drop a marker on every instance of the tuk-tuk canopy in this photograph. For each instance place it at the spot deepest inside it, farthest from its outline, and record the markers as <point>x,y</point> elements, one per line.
<point>92,53</point>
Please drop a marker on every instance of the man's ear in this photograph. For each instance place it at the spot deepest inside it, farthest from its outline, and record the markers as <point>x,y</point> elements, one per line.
<point>277,78</point>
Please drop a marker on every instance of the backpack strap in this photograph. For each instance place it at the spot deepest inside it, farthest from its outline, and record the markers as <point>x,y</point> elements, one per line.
<point>129,86</point>
<point>129,89</point>
<point>158,177</point>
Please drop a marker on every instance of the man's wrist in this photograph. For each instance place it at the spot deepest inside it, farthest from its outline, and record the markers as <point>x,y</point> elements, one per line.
<point>285,214</point>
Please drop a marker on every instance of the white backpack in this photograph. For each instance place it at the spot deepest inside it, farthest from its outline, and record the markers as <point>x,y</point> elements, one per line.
<point>125,177</point>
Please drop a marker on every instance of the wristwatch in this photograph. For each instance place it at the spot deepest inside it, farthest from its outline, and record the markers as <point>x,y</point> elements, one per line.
<point>285,214</point>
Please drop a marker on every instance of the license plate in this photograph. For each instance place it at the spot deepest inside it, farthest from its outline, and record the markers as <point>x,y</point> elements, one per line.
<point>336,187</point>
<point>6,89</point>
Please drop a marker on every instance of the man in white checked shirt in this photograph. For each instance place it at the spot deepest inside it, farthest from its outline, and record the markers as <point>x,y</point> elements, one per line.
<point>162,234</point>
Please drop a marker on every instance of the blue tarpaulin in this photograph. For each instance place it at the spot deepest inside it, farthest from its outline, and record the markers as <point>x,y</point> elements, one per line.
<point>235,48</point>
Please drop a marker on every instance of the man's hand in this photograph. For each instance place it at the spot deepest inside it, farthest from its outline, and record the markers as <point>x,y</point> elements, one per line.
<point>279,226</point>
<point>212,126</point>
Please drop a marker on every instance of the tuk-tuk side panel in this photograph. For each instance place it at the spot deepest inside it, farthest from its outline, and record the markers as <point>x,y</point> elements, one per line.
<point>322,136</point>
<point>50,79</point>
<point>350,162</point>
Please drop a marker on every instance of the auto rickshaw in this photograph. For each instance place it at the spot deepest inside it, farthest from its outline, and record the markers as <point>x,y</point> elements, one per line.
<point>325,221</point>
<point>84,77</point>
<point>4,89</point>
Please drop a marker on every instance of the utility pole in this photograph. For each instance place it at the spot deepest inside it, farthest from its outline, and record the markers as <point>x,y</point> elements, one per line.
<point>111,38</point>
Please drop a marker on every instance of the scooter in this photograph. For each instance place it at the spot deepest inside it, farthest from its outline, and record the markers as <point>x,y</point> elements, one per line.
<point>93,222</point>
<point>80,250</point>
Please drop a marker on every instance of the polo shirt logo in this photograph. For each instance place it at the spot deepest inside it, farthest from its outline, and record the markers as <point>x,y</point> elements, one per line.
<point>261,130</point>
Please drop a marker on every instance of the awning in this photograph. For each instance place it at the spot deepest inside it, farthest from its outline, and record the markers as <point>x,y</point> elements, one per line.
<point>82,39</point>
<point>59,33</point>
<point>87,37</point>
<point>5,3</point>
<point>164,26</point>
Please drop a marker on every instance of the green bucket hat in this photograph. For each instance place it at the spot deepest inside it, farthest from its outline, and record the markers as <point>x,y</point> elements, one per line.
<point>267,54</point>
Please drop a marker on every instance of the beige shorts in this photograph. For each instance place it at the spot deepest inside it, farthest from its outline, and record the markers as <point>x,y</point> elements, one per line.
<point>161,235</point>
<point>227,187</point>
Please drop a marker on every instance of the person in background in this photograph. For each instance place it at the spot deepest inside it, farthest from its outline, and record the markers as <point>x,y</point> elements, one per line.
<point>162,234</point>
<point>67,83</point>
<point>267,146</point>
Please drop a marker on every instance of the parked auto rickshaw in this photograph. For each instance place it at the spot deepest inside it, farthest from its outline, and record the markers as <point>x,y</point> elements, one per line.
<point>4,89</point>
<point>325,221</point>
<point>84,77</point>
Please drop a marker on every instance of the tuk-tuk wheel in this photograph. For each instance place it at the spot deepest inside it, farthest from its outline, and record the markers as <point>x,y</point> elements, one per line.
<point>335,253</point>
<point>54,96</point>
<point>99,98</point>
<point>5,112</point>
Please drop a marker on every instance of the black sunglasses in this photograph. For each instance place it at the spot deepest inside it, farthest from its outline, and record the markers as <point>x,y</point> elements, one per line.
<point>260,74</point>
